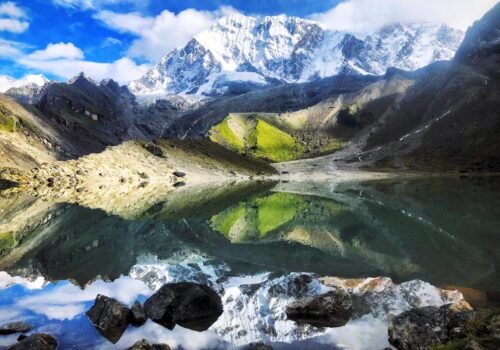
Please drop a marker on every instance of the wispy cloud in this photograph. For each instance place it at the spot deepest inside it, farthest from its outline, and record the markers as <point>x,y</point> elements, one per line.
<point>368,15</point>
<point>11,49</point>
<point>158,35</point>
<point>66,60</point>
<point>97,4</point>
<point>57,51</point>
<point>10,9</point>
<point>13,18</point>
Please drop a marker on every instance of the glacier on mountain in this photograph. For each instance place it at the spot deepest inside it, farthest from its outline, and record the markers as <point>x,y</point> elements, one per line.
<point>280,49</point>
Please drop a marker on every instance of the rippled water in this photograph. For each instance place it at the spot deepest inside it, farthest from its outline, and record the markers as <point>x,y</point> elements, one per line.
<point>250,242</point>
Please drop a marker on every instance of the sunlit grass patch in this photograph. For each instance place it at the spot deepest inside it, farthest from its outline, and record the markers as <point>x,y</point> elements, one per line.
<point>273,144</point>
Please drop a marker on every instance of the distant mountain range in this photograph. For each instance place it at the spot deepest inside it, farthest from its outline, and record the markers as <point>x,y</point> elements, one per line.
<point>240,52</point>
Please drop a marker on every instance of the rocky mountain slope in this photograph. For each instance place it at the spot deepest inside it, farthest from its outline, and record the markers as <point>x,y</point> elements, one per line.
<point>450,118</point>
<point>239,53</point>
<point>25,90</point>
<point>443,117</point>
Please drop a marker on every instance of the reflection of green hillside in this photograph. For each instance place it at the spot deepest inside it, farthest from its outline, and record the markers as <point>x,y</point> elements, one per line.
<point>275,210</point>
<point>256,218</point>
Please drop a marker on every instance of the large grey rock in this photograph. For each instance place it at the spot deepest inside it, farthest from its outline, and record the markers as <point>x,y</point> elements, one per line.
<point>14,327</point>
<point>35,342</point>
<point>333,309</point>
<point>145,345</point>
<point>190,305</point>
<point>110,317</point>
<point>138,315</point>
<point>426,327</point>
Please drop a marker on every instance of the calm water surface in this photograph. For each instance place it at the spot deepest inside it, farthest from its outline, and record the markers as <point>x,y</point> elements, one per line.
<point>57,255</point>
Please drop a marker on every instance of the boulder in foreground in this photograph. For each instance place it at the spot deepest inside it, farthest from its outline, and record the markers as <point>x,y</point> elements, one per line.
<point>333,309</point>
<point>138,315</point>
<point>35,342</point>
<point>430,326</point>
<point>145,345</point>
<point>189,305</point>
<point>110,317</point>
<point>14,327</point>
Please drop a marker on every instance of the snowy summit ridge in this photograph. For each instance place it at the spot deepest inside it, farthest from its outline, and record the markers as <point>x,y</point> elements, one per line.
<point>262,50</point>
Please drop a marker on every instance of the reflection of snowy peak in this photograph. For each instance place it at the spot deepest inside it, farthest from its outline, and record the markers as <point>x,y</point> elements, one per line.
<point>255,305</point>
<point>255,51</point>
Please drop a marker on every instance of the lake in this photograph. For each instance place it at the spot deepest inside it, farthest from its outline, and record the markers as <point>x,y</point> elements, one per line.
<point>394,242</point>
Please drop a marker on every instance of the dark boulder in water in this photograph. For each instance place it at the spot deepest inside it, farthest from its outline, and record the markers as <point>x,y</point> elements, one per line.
<point>189,305</point>
<point>145,345</point>
<point>138,315</point>
<point>35,342</point>
<point>14,327</point>
<point>257,346</point>
<point>333,309</point>
<point>430,326</point>
<point>110,317</point>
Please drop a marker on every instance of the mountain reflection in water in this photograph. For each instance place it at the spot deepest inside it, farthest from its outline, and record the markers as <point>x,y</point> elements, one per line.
<point>440,230</point>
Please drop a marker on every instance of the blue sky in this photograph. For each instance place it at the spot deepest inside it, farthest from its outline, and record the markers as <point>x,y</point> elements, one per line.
<point>123,38</point>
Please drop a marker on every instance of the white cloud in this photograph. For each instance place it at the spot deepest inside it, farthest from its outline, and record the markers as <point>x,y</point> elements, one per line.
<point>12,18</point>
<point>10,9</point>
<point>132,22</point>
<point>13,25</point>
<point>110,41</point>
<point>10,49</point>
<point>57,51</point>
<point>65,60</point>
<point>367,15</point>
<point>159,35</point>
<point>97,4</point>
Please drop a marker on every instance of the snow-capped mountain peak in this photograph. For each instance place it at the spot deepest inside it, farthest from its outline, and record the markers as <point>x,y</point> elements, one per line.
<point>7,82</point>
<point>254,51</point>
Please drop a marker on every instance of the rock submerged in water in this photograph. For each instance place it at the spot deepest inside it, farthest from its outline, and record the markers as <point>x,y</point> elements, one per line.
<point>35,342</point>
<point>14,327</point>
<point>429,326</point>
<point>333,309</point>
<point>110,317</point>
<point>145,345</point>
<point>258,346</point>
<point>189,305</point>
<point>138,315</point>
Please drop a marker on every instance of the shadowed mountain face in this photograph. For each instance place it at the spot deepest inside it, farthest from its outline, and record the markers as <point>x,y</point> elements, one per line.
<point>402,229</point>
<point>443,117</point>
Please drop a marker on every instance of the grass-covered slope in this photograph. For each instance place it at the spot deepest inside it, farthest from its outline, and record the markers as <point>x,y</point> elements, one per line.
<point>255,136</point>
<point>25,140</point>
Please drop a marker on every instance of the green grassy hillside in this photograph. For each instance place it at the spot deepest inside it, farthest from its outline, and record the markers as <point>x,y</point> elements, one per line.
<point>255,136</point>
